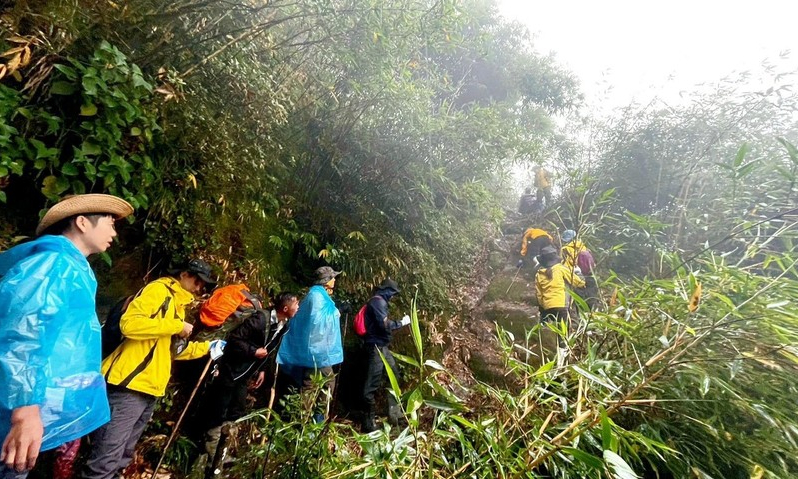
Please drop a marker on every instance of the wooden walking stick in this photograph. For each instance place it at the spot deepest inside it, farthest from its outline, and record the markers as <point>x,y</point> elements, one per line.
<point>182,415</point>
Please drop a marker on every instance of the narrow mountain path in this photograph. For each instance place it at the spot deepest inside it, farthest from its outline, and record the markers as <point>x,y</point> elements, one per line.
<point>497,293</point>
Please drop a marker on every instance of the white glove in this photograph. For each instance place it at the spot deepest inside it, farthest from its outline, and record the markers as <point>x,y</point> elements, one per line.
<point>405,320</point>
<point>217,348</point>
<point>577,271</point>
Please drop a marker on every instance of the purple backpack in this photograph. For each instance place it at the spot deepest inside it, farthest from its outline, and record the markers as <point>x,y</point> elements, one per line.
<point>585,262</point>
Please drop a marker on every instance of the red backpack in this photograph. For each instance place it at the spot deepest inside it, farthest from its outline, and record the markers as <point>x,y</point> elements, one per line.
<point>360,320</point>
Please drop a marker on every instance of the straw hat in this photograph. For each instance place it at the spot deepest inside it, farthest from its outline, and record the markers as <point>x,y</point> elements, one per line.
<point>84,204</point>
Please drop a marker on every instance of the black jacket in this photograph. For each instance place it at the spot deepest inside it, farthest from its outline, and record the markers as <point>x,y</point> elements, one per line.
<point>378,326</point>
<point>239,361</point>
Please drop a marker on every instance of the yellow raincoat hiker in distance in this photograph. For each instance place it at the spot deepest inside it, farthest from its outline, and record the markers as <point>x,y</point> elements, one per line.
<point>143,362</point>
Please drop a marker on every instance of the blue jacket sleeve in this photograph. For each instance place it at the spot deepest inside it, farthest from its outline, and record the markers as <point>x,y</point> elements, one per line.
<point>33,296</point>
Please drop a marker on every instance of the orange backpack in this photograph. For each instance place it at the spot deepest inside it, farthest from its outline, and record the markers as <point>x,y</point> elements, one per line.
<point>224,302</point>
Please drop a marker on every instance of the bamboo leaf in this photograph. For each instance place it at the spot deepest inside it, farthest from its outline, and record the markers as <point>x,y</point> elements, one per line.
<point>620,469</point>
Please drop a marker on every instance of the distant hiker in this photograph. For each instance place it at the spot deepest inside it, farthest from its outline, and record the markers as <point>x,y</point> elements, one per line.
<point>571,247</point>
<point>543,185</point>
<point>312,344</point>
<point>526,205</point>
<point>579,261</point>
<point>551,283</point>
<point>246,355</point>
<point>534,240</point>
<point>51,388</point>
<point>377,339</point>
<point>137,372</point>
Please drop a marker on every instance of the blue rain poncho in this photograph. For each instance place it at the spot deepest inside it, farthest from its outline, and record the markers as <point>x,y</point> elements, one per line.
<point>313,339</point>
<point>50,340</point>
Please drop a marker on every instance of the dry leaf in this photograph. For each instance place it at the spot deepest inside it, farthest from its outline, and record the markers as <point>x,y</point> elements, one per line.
<point>695,299</point>
<point>26,57</point>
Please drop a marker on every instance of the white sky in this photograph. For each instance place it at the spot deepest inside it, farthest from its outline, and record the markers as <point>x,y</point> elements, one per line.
<point>636,46</point>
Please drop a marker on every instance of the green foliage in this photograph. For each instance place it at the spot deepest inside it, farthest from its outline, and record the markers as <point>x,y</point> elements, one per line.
<point>646,389</point>
<point>94,132</point>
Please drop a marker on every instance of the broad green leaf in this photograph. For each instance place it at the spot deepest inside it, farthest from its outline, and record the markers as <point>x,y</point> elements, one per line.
<point>89,148</point>
<point>63,88</point>
<point>589,460</point>
<point>405,359</point>
<point>414,402</point>
<point>68,72</point>
<point>465,422</point>
<point>442,405</point>
<point>594,378</point>
<point>69,169</point>
<point>740,156</point>
<point>434,365</point>
<point>89,109</point>
<point>620,469</point>
<point>391,377</point>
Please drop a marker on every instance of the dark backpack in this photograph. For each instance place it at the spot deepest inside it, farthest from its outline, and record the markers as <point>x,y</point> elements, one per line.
<point>111,332</point>
<point>112,335</point>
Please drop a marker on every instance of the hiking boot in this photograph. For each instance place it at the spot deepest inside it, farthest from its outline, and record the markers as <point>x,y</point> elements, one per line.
<point>212,437</point>
<point>369,424</point>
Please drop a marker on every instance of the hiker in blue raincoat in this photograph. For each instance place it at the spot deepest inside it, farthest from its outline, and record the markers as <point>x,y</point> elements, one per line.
<point>312,344</point>
<point>51,389</point>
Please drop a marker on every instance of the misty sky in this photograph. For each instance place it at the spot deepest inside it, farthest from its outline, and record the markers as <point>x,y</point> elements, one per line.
<point>657,48</point>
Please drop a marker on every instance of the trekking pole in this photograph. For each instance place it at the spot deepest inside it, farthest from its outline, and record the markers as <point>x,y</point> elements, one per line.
<point>182,415</point>
<point>273,392</point>
<point>514,279</point>
<point>334,398</point>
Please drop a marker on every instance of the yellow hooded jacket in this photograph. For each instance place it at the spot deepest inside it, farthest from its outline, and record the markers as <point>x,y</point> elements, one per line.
<point>551,292</point>
<point>570,253</point>
<point>143,362</point>
<point>532,234</point>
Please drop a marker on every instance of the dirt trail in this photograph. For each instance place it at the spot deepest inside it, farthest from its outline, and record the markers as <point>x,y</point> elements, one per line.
<point>498,293</point>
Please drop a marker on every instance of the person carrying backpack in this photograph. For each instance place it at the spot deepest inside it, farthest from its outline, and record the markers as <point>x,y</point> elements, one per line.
<point>571,247</point>
<point>245,356</point>
<point>138,370</point>
<point>51,388</point>
<point>313,344</point>
<point>578,259</point>
<point>526,204</point>
<point>543,185</point>
<point>551,283</point>
<point>533,241</point>
<point>377,338</point>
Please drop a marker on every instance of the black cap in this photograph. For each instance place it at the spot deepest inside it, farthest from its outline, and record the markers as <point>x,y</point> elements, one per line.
<point>388,283</point>
<point>202,269</point>
<point>549,256</point>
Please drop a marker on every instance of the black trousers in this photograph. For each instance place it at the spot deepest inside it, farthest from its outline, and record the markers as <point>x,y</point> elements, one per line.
<point>375,374</point>
<point>226,400</point>
<point>554,314</point>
